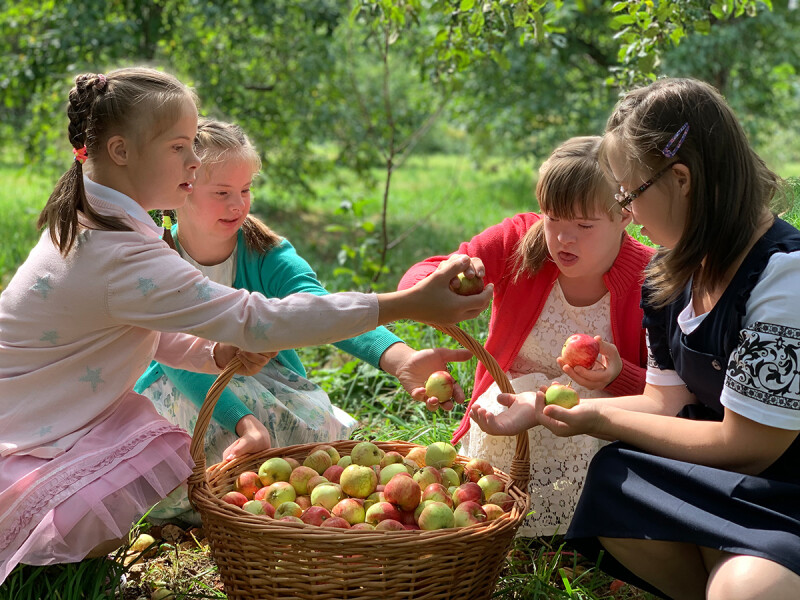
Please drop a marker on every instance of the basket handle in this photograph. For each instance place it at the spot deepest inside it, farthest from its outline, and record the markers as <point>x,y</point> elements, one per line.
<point>520,465</point>
<point>197,449</point>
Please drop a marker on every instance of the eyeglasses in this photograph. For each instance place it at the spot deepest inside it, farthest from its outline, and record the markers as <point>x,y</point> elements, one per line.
<point>624,198</point>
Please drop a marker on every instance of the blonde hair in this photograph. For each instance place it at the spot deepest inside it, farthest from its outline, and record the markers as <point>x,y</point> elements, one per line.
<point>571,186</point>
<point>218,143</point>
<point>730,184</point>
<point>127,102</point>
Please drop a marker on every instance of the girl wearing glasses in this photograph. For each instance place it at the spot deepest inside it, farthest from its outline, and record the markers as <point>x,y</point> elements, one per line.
<point>700,496</point>
<point>571,269</point>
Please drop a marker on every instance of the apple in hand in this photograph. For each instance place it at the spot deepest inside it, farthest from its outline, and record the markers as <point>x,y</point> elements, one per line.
<point>561,395</point>
<point>469,286</point>
<point>440,385</point>
<point>581,350</point>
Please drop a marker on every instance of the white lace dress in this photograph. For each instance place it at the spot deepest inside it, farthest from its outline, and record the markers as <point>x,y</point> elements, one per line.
<point>558,465</point>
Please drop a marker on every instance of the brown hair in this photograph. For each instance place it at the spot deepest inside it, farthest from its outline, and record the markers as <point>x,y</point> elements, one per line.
<point>730,184</point>
<point>571,186</point>
<point>218,143</point>
<point>125,101</point>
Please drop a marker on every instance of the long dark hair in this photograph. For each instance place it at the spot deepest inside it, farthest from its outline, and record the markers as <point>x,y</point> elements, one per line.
<point>730,185</point>
<point>124,101</point>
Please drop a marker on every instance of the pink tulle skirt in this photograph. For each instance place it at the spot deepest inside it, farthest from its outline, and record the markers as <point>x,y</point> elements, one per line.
<point>58,510</point>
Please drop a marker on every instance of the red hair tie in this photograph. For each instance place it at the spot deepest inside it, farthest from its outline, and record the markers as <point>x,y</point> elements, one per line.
<point>80,154</point>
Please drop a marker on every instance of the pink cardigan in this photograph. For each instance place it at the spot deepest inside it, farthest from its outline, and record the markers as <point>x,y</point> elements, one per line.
<point>517,305</point>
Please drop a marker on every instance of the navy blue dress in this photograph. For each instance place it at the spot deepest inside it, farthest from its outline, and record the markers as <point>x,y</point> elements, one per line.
<point>630,493</point>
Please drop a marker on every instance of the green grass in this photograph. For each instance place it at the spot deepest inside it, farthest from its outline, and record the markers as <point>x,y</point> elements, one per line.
<point>436,203</point>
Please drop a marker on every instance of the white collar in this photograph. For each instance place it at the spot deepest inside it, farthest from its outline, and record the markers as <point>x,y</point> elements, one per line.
<point>120,200</point>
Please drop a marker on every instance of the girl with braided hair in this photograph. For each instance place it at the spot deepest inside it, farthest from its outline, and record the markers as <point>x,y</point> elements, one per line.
<point>82,456</point>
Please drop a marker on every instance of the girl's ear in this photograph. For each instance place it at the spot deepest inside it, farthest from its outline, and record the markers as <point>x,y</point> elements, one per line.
<point>625,218</point>
<point>684,179</point>
<point>117,149</point>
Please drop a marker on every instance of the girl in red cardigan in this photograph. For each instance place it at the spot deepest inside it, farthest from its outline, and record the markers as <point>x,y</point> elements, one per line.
<point>572,269</point>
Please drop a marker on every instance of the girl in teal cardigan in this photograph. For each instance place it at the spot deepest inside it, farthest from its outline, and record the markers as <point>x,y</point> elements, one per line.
<point>279,406</point>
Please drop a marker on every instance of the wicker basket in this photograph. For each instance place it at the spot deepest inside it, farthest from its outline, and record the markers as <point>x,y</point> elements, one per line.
<point>262,558</point>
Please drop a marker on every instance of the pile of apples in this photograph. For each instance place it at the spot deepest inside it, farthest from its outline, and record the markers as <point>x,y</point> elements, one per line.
<point>372,489</point>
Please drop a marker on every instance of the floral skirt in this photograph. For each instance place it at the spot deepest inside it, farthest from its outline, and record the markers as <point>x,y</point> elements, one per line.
<point>294,410</point>
<point>558,465</point>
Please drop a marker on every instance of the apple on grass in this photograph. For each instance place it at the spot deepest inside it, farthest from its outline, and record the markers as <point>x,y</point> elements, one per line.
<point>468,286</point>
<point>561,395</point>
<point>580,349</point>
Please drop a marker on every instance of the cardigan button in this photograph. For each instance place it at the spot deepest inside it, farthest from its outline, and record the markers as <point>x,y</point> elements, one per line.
<point>716,365</point>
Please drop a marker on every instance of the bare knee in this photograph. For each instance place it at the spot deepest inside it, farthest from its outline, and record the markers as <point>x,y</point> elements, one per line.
<point>738,577</point>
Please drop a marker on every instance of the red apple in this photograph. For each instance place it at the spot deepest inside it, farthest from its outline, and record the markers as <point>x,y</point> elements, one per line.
<point>315,515</point>
<point>381,511</point>
<point>491,484</point>
<point>290,519</point>
<point>469,513</point>
<point>561,395</point>
<point>581,350</point>
<point>493,511</point>
<point>303,501</point>
<point>337,522</point>
<point>468,286</point>
<point>363,526</point>
<point>333,473</point>
<point>503,500</point>
<point>235,498</point>
<point>440,385</point>
<point>390,525</point>
<point>438,493</point>
<point>248,483</point>
<point>403,491</point>
<point>314,482</point>
<point>467,491</point>
<point>477,468</point>
<point>288,508</point>
<point>351,510</point>
<point>332,452</point>
<point>300,477</point>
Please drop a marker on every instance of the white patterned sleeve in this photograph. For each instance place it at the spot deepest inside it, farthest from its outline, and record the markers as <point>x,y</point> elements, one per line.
<point>762,380</point>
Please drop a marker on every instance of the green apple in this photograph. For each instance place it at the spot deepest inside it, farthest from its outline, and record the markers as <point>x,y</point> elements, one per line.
<point>436,515</point>
<point>274,469</point>
<point>468,286</point>
<point>366,454</point>
<point>358,481</point>
<point>440,455</point>
<point>561,395</point>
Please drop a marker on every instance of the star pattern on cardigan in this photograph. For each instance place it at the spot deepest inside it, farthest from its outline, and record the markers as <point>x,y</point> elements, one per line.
<point>259,330</point>
<point>146,285</point>
<point>49,336</point>
<point>204,291</point>
<point>42,286</point>
<point>93,377</point>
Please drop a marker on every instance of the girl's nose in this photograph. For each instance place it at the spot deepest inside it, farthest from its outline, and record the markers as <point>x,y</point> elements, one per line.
<point>194,161</point>
<point>566,237</point>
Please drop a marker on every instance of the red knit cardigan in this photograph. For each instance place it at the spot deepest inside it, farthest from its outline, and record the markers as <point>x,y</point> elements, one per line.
<point>517,305</point>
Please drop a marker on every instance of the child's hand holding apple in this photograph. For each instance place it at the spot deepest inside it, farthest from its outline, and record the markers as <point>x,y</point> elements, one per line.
<point>603,358</point>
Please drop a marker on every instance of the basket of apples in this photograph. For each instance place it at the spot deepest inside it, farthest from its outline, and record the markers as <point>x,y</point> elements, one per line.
<point>360,520</point>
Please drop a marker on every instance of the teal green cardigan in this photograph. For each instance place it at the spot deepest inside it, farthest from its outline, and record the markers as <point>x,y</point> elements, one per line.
<point>276,274</point>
